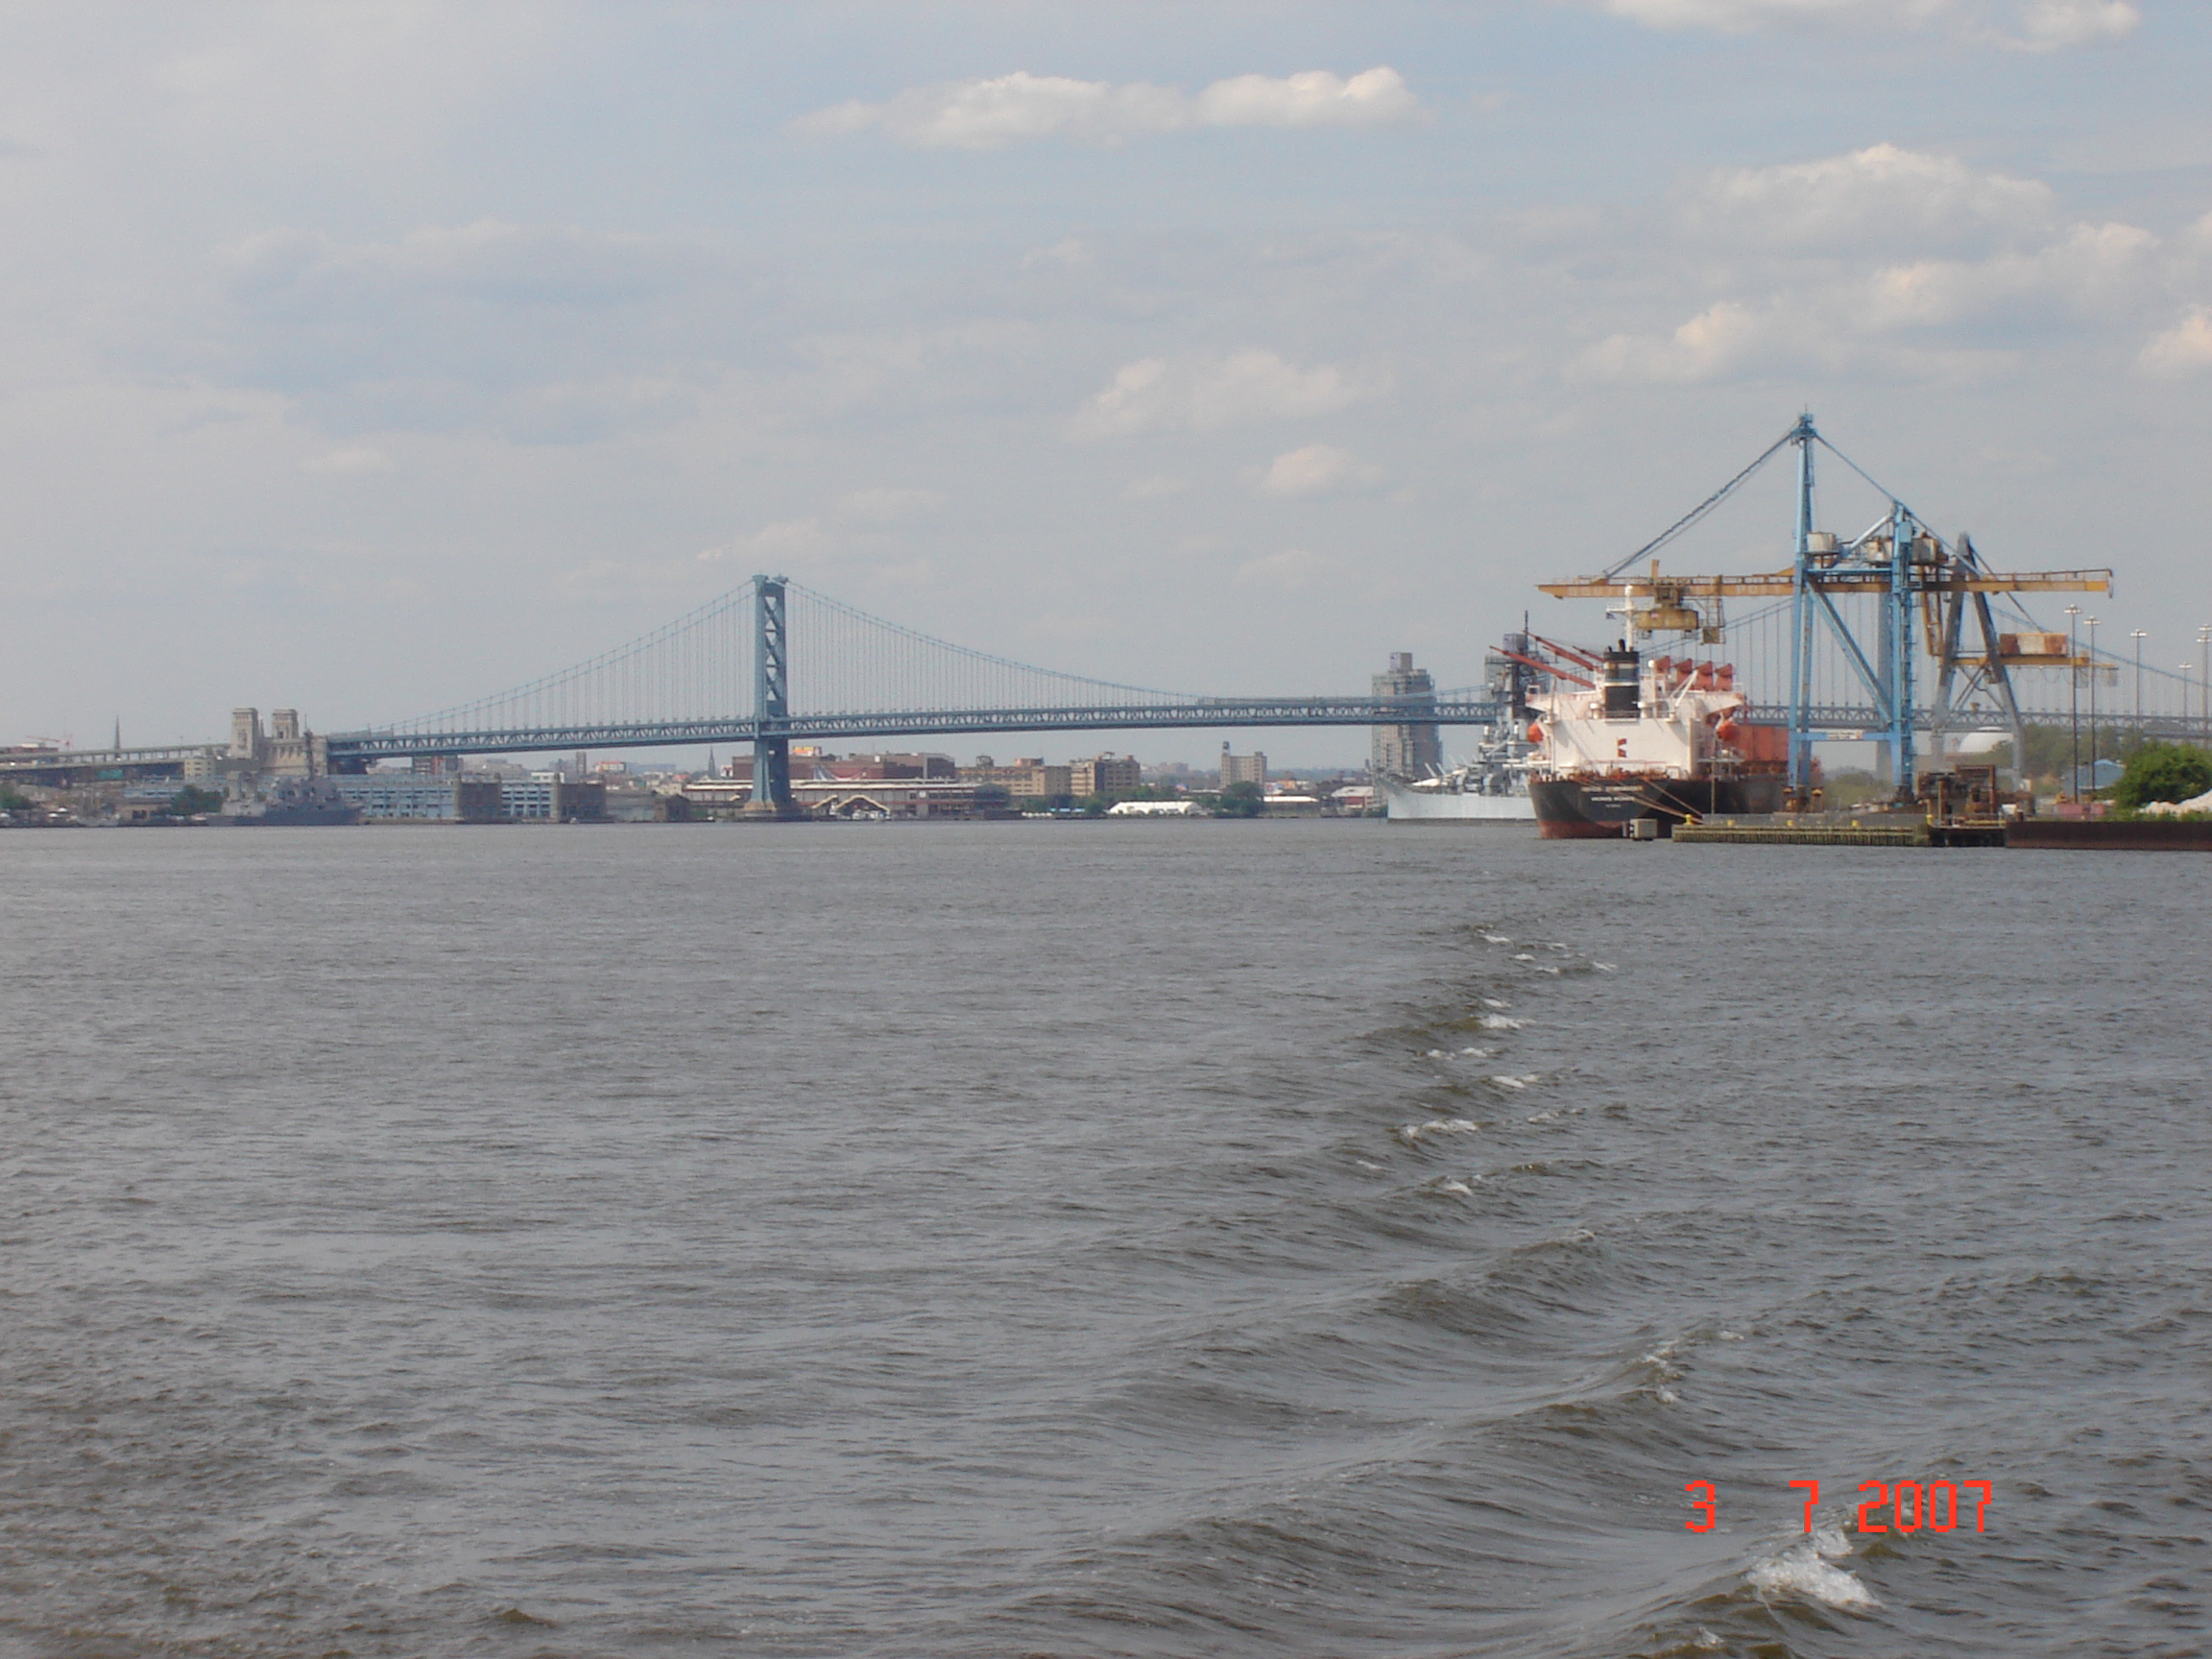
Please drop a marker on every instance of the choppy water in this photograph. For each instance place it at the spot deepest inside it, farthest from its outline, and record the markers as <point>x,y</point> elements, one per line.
<point>1095,1239</point>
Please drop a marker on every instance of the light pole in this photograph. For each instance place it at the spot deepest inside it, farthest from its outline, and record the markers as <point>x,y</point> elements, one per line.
<point>2138,636</point>
<point>2073,711</point>
<point>2204,679</point>
<point>2092,622</point>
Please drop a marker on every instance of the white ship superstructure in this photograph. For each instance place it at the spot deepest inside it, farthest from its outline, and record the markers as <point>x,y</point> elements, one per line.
<point>1664,717</point>
<point>1473,792</point>
<point>1668,740</point>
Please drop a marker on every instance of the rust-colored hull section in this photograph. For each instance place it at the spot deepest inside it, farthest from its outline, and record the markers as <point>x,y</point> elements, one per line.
<point>2104,835</point>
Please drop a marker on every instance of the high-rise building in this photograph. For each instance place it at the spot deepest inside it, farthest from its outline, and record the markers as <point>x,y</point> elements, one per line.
<point>1249,768</point>
<point>1103,773</point>
<point>1413,748</point>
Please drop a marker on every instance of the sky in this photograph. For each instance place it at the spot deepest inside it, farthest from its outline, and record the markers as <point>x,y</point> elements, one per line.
<point>371,358</point>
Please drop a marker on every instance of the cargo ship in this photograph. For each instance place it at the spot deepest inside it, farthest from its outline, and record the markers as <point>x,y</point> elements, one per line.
<point>1618,737</point>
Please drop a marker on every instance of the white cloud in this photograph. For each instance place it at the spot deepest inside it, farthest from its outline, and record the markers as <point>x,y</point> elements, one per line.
<point>1294,567</point>
<point>1203,393</point>
<point>2185,349</point>
<point>2090,267</point>
<point>351,460</point>
<point>1917,318</point>
<point>1316,469</point>
<point>1881,192</point>
<point>2024,25</point>
<point>2049,25</point>
<point>991,113</point>
<point>1377,97</point>
<point>1718,340</point>
<point>1742,17</point>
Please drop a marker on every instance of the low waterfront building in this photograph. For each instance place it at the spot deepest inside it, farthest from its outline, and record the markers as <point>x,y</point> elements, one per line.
<point>631,803</point>
<point>416,797</point>
<point>1025,780</point>
<point>890,798</point>
<point>409,797</point>
<point>820,766</point>
<point>847,797</point>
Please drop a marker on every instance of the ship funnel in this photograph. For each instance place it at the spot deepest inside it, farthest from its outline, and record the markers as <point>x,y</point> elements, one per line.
<point>1622,694</point>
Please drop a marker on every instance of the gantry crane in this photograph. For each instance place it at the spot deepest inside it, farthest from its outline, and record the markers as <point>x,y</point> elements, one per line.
<point>1899,561</point>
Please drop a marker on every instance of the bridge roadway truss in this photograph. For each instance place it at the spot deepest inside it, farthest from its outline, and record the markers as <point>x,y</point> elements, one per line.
<point>1224,712</point>
<point>1842,721</point>
<point>1835,720</point>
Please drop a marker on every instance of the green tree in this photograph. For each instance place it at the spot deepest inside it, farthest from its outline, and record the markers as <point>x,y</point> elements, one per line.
<point>1238,801</point>
<point>2050,752</point>
<point>2163,772</point>
<point>191,800</point>
<point>11,802</point>
<point>2050,747</point>
<point>1852,786</point>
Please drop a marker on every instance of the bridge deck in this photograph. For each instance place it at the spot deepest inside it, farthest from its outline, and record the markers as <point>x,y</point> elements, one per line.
<point>1831,721</point>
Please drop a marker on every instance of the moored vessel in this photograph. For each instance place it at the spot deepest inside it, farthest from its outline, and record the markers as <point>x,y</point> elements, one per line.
<point>1465,794</point>
<point>1490,788</point>
<point>1621,737</point>
<point>294,803</point>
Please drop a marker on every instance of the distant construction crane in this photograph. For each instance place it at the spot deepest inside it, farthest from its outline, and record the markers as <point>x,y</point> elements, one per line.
<point>1902,566</point>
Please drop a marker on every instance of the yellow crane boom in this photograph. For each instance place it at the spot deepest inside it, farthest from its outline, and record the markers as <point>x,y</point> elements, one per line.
<point>1777,585</point>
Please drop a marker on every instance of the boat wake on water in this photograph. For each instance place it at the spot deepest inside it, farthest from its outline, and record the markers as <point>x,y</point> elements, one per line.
<point>1394,1297</point>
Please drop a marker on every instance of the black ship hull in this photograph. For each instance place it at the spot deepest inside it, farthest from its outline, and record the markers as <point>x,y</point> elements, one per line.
<point>1579,808</point>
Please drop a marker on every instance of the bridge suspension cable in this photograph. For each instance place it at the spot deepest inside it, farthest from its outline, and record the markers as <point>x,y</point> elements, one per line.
<point>846,659</point>
<point>697,667</point>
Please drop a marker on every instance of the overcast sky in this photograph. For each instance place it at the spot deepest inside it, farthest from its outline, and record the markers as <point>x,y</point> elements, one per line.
<point>369,359</point>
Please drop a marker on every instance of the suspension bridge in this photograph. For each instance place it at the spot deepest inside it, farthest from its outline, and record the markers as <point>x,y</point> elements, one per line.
<point>810,669</point>
<point>1853,626</point>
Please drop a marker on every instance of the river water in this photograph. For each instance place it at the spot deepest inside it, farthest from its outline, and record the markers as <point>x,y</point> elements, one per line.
<point>1150,1239</point>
